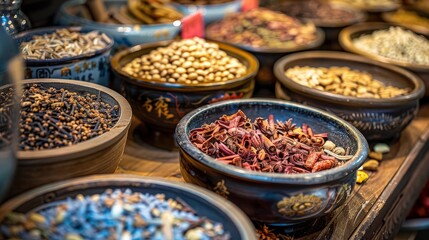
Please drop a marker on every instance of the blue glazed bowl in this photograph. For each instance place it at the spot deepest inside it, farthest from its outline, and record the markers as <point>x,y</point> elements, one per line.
<point>211,13</point>
<point>273,198</point>
<point>202,201</point>
<point>124,35</point>
<point>92,67</point>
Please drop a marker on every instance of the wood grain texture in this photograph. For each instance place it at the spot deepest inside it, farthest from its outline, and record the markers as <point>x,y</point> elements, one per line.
<point>375,209</point>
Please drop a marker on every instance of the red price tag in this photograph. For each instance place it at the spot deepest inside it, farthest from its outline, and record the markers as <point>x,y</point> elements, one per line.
<point>193,25</point>
<point>249,5</point>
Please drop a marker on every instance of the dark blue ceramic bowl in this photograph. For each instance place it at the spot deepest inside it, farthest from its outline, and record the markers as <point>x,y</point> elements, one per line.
<point>202,201</point>
<point>91,67</point>
<point>304,196</point>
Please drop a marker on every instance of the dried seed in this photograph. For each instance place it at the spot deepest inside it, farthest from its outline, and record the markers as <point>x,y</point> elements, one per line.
<point>381,148</point>
<point>371,165</point>
<point>361,177</point>
<point>376,155</point>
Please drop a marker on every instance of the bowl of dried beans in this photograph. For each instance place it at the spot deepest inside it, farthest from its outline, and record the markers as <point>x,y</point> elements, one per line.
<point>280,162</point>
<point>68,129</point>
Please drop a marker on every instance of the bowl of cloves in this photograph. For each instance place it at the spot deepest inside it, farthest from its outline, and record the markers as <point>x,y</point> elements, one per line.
<point>282,163</point>
<point>68,129</point>
<point>112,206</point>
<point>66,53</point>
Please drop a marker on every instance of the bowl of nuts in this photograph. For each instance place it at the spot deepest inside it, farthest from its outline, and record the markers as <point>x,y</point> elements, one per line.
<point>282,163</point>
<point>122,206</point>
<point>379,99</point>
<point>68,129</point>
<point>212,10</point>
<point>164,81</point>
<point>67,53</point>
<point>268,35</point>
<point>405,48</point>
<point>129,22</point>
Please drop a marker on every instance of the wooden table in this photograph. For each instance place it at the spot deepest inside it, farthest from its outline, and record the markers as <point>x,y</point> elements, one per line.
<point>375,210</point>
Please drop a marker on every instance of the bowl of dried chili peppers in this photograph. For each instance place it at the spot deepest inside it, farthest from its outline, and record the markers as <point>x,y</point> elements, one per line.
<point>280,162</point>
<point>113,206</point>
<point>68,129</point>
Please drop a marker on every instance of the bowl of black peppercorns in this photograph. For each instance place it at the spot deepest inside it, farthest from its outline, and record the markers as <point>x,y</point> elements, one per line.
<point>68,129</point>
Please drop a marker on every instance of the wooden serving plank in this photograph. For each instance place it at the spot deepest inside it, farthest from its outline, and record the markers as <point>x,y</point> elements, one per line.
<point>375,210</point>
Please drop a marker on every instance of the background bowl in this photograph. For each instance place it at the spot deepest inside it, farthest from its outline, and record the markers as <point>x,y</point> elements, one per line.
<point>101,154</point>
<point>377,119</point>
<point>257,194</point>
<point>348,34</point>
<point>201,200</point>
<point>92,67</point>
<point>176,99</point>
<point>388,17</point>
<point>211,12</point>
<point>268,56</point>
<point>124,35</point>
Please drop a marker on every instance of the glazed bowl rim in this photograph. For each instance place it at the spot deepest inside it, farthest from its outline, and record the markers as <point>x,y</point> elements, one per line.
<point>36,31</point>
<point>86,147</point>
<point>346,42</point>
<point>320,38</point>
<point>303,179</point>
<point>208,6</point>
<point>84,21</point>
<point>417,92</point>
<point>361,16</point>
<point>252,69</point>
<point>235,214</point>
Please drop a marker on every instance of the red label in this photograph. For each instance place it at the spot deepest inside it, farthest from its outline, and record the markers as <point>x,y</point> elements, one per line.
<point>249,5</point>
<point>193,25</point>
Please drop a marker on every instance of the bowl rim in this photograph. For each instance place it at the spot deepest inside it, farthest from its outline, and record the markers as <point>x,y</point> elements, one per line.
<point>39,62</point>
<point>375,8</point>
<point>83,21</point>
<point>360,15</point>
<point>252,69</point>
<point>303,179</point>
<point>416,93</point>
<point>320,38</point>
<point>387,17</point>
<point>86,147</point>
<point>208,6</point>
<point>345,40</point>
<point>235,214</point>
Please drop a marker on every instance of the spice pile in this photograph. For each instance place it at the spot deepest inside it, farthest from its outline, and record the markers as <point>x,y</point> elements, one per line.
<point>63,43</point>
<point>52,118</point>
<point>6,106</point>
<point>153,11</point>
<point>201,2</point>
<point>409,17</point>
<point>397,44</point>
<point>344,81</point>
<point>189,61</point>
<point>113,215</point>
<point>263,28</point>
<point>319,10</point>
<point>266,146</point>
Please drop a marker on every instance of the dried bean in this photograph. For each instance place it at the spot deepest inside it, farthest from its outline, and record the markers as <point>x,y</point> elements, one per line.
<point>205,59</point>
<point>371,165</point>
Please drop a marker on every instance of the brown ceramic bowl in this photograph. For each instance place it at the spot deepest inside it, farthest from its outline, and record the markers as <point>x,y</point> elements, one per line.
<point>101,154</point>
<point>161,105</point>
<point>346,40</point>
<point>388,17</point>
<point>377,119</point>
<point>202,201</point>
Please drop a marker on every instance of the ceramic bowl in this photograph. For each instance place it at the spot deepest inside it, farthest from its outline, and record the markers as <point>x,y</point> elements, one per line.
<point>124,35</point>
<point>211,12</point>
<point>388,17</point>
<point>346,40</point>
<point>268,56</point>
<point>161,105</point>
<point>202,201</point>
<point>377,119</point>
<point>100,154</point>
<point>92,67</point>
<point>305,196</point>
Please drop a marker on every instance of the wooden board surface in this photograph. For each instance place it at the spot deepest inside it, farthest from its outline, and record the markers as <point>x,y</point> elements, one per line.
<point>375,209</point>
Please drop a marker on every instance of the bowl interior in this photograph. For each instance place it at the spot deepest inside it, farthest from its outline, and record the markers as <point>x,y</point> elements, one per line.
<point>199,201</point>
<point>126,56</point>
<point>340,132</point>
